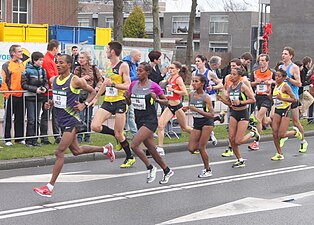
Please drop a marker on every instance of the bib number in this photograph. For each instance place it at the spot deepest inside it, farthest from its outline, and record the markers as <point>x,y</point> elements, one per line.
<point>139,103</point>
<point>261,88</point>
<point>59,99</point>
<point>111,91</point>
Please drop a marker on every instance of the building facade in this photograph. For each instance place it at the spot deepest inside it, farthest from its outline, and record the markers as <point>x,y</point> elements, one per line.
<point>292,25</point>
<point>63,12</point>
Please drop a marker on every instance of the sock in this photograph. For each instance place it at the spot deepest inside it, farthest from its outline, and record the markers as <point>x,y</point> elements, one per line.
<point>49,186</point>
<point>209,169</point>
<point>303,141</point>
<point>166,170</point>
<point>126,147</point>
<point>240,159</point>
<point>105,150</point>
<point>107,130</point>
<point>150,167</point>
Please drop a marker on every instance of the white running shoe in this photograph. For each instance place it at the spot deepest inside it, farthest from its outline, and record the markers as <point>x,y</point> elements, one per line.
<point>161,151</point>
<point>204,173</point>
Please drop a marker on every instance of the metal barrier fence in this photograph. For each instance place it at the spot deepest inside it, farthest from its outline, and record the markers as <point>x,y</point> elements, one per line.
<point>219,106</point>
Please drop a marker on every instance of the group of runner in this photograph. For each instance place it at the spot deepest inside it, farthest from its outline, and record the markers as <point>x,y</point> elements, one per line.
<point>235,91</point>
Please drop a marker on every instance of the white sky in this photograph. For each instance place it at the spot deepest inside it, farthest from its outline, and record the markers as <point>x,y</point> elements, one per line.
<point>206,5</point>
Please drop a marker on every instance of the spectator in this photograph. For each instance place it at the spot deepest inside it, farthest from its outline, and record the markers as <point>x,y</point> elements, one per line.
<point>75,58</point>
<point>155,59</point>
<point>11,81</point>
<point>132,60</point>
<point>91,74</point>
<point>34,80</point>
<point>214,64</point>
<point>51,68</point>
<point>246,58</point>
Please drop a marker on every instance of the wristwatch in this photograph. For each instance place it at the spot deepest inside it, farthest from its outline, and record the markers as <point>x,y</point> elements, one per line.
<point>86,104</point>
<point>113,85</point>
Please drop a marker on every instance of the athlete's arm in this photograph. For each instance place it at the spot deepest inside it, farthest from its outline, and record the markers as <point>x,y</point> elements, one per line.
<point>125,72</point>
<point>80,83</point>
<point>182,90</point>
<point>287,89</point>
<point>295,71</point>
<point>249,94</point>
<point>216,80</point>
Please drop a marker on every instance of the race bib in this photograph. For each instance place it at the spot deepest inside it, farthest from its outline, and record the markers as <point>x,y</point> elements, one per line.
<point>169,93</point>
<point>59,99</point>
<point>261,88</point>
<point>277,102</point>
<point>111,91</point>
<point>139,103</point>
<point>234,97</point>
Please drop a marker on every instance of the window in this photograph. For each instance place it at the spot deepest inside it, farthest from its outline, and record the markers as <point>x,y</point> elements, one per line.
<point>218,24</point>
<point>20,11</point>
<point>109,22</point>
<point>84,22</point>
<point>218,47</point>
<point>149,24</point>
<point>196,46</point>
<point>180,25</point>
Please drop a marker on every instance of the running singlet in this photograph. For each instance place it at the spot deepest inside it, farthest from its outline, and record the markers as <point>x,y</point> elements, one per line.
<point>212,93</point>
<point>170,94</point>
<point>143,103</point>
<point>295,89</point>
<point>279,104</point>
<point>236,94</point>
<point>113,94</point>
<point>199,104</point>
<point>261,88</point>
<point>64,99</point>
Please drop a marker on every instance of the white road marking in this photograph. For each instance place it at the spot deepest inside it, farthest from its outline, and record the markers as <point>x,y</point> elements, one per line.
<point>145,192</point>
<point>246,205</point>
<point>72,177</point>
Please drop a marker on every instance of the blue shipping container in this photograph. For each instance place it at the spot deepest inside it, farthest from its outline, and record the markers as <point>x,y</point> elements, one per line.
<point>72,34</point>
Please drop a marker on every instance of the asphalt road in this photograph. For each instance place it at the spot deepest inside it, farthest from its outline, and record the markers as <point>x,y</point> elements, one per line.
<point>99,192</point>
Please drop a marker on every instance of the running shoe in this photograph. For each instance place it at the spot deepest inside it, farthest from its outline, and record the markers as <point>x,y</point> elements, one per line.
<point>254,145</point>
<point>204,173</point>
<point>110,152</point>
<point>238,164</point>
<point>278,157</point>
<point>118,146</point>
<point>213,138</point>
<point>227,153</point>
<point>303,147</point>
<point>282,141</point>
<point>166,177</point>
<point>43,191</point>
<point>298,134</point>
<point>222,116</point>
<point>196,152</point>
<point>151,174</point>
<point>253,120</point>
<point>148,155</point>
<point>128,163</point>
<point>256,135</point>
<point>8,143</point>
<point>161,151</point>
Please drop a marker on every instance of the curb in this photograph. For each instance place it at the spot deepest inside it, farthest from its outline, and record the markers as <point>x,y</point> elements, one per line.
<point>50,160</point>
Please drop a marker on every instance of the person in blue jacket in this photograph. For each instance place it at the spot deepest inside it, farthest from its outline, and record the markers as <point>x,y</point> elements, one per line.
<point>34,80</point>
<point>132,60</point>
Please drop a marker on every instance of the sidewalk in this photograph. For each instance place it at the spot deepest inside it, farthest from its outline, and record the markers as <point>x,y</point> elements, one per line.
<point>45,161</point>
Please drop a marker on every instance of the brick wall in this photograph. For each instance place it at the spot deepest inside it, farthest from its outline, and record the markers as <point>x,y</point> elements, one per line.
<point>63,12</point>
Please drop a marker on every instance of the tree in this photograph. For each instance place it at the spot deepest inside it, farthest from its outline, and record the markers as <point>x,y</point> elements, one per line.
<point>118,20</point>
<point>189,47</point>
<point>156,25</point>
<point>134,26</point>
